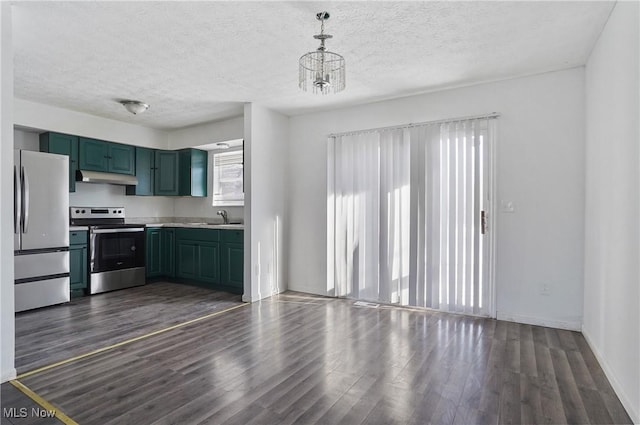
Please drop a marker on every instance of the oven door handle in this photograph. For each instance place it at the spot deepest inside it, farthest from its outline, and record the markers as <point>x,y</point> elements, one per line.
<point>121,230</point>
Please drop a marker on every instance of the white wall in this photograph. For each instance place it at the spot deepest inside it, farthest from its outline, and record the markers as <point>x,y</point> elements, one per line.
<point>540,167</point>
<point>204,134</point>
<point>51,118</point>
<point>197,136</point>
<point>26,140</point>
<point>612,231</point>
<point>265,143</point>
<point>111,195</point>
<point>7,332</point>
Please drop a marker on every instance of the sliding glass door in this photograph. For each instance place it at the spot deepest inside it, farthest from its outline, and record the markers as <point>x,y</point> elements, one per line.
<point>408,215</point>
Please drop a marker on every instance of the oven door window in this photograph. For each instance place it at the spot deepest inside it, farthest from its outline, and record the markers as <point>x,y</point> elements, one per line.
<point>115,251</point>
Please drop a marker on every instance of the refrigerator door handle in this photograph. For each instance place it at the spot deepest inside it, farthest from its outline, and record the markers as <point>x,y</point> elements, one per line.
<point>17,201</point>
<point>25,201</point>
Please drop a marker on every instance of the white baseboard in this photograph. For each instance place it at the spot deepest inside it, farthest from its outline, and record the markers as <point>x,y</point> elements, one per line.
<point>8,375</point>
<point>529,320</point>
<point>248,299</point>
<point>629,406</point>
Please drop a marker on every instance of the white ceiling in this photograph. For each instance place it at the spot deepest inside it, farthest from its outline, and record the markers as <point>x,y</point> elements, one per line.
<point>195,62</point>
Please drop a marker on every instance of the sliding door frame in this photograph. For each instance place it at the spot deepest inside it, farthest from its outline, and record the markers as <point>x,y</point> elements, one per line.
<point>492,212</point>
<point>492,218</point>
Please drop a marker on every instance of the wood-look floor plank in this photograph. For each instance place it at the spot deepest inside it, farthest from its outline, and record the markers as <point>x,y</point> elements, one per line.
<point>47,335</point>
<point>18,409</point>
<point>530,401</point>
<point>299,359</point>
<point>594,406</point>
<point>571,401</point>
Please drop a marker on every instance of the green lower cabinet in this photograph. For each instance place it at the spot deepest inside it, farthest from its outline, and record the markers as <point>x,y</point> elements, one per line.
<point>152,252</point>
<point>187,260</point>
<point>232,266</point>
<point>78,263</point>
<point>167,252</point>
<point>198,261</point>
<point>160,248</point>
<point>209,262</point>
<point>232,260</point>
<point>210,258</point>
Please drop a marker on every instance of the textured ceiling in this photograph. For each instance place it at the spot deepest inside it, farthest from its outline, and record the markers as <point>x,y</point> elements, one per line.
<point>195,62</point>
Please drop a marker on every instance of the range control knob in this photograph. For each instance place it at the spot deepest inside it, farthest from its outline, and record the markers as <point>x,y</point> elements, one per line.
<point>119,211</point>
<point>83,211</point>
<point>77,211</point>
<point>114,211</point>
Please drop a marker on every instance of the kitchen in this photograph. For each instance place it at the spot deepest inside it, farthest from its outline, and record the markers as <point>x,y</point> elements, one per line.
<point>108,249</point>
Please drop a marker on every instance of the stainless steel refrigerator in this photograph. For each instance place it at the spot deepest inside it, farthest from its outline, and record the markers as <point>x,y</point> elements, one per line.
<point>41,229</point>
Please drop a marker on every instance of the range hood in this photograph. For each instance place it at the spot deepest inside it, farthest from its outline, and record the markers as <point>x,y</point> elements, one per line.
<point>100,177</point>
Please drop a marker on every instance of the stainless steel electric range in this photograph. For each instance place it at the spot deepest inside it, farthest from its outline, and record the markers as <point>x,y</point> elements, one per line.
<point>116,249</point>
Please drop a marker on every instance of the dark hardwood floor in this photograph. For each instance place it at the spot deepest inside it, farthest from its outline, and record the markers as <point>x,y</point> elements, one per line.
<point>297,359</point>
<point>18,409</point>
<point>47,335</point>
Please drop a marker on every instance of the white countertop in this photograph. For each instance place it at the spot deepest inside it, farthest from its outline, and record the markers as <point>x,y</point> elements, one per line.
<point>187,225</point>
<point>199,225</point>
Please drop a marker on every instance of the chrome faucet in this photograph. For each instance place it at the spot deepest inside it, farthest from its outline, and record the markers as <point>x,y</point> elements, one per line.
<point>223,214</point>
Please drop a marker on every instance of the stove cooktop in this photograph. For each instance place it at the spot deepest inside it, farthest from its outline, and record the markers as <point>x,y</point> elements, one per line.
<point>104,217</point>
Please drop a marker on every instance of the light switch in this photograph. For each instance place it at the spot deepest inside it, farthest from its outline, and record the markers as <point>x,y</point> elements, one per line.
<point>507,206</point>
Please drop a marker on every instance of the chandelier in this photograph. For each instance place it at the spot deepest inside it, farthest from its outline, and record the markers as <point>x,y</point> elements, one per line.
<point>321,71</point>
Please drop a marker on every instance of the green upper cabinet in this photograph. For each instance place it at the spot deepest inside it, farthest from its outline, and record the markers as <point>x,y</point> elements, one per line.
<point>94,154</point>
<point>193,172</point>
<point>98,155</point>
<point>166,173</point>
<point>121,158</point>
<point>145,173</point>
<point>63,144</point>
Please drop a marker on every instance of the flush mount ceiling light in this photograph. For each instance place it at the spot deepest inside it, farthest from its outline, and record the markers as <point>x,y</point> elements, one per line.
<point>222,145</point>
<point>134,106</point>
<point>321,71</point>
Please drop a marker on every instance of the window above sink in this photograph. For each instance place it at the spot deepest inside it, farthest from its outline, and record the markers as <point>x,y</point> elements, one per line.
<point>228,177</point>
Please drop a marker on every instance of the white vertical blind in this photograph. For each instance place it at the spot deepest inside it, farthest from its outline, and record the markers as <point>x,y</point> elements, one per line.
<point>404,215</point>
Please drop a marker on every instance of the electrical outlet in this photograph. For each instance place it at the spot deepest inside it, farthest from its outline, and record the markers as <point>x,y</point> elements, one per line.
<point>545,289</point>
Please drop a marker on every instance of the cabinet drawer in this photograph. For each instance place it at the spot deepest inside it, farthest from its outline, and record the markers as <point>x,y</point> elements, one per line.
<point>77,237</point>
<point>233,236</point>
<point>206,235</point>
